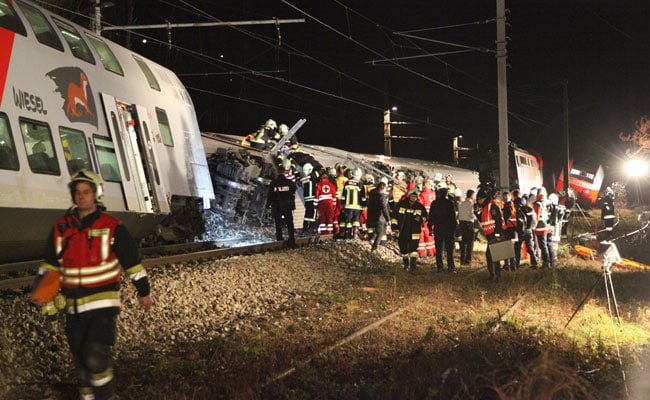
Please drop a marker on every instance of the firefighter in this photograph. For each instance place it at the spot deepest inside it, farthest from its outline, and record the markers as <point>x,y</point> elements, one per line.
<point>352,194</point>
<point>308,184</point>
<point>325,203</point>
<point>449,183</point>
<point>368,185</point>
<point>491,219</point>
<point>86,248</point>
<point>427,245</point>
<point>260,138</point>
<point>409,215</point>
<point>281,199</point>
<point>510,218</point>
<point>543,227</point>
<point>608,212</point>
<point>277,135</point>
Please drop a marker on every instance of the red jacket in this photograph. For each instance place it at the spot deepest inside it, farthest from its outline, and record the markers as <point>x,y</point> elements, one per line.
<point>325,192</point>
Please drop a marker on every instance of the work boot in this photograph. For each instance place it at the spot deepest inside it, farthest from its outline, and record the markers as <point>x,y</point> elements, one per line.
<point>406,262</point>
<point>413,263</point>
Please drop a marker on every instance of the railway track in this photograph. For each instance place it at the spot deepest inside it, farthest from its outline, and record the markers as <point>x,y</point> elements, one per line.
<point>160,256</point>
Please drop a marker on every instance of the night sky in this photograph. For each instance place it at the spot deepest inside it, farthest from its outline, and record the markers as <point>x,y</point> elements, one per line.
<point>322,70</point>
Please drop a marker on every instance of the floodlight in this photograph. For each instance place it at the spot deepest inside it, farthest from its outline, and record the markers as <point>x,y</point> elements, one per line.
<point>636,167</point>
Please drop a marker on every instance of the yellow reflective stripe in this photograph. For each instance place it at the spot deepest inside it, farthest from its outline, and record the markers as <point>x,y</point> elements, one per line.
<point>134,269</point>
<point>94,301</point>
<point>75,271</point>
<point>102,378</point>
<point>89,280</point>
<point>46,267</point>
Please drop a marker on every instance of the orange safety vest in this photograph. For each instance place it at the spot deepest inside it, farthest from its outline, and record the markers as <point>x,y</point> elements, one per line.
<point>488,224</point>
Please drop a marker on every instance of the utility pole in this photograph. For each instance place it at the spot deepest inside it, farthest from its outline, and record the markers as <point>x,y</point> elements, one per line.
<point>501,55</point>
<point>567,158</point>
<point>387,138</point>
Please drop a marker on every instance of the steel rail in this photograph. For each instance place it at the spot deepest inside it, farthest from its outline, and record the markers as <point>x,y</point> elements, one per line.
<point>28,280</point>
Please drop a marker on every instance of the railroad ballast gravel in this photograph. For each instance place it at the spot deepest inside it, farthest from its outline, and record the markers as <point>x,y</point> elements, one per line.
<point>195,301</point>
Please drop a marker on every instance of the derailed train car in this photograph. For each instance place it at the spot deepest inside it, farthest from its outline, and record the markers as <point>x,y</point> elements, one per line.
<point>241,174</point>
<point>71,99</point>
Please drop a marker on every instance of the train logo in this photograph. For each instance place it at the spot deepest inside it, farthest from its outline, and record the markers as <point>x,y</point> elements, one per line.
<point>78,100</point>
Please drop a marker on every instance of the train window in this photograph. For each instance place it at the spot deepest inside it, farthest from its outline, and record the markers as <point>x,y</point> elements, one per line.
<point>106,55</point>
<point>107,159</point>
<point>8,156</point>
<point>116,128</point>
<point>43,30</point>
<point>78,47</point>
<point>163,125</point>
<point>153,82</point>
<point>9,19</point>
<point>39,147</point>
<point>75,150</point>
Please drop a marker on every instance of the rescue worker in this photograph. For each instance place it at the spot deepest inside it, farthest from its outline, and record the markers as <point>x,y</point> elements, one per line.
<point>282,200</point>
<point>308,184</point>
<point>398,192</point>
<point>427,245</point>
<point>442,221</point>
<point>466,219</point>
<point>87,247</point>
<point>368,185</point>
<point>260,138</point>
<point>526,222</point>
<point>491,219</point>
<point>543,227</point>
<point>378,214</point>
<point>339,181</point>
<point>451,186</point>
<point>410,215</point>
<point>608,212</point>
<point>510,218</point>
<point>325,203</point>
<point>352,194</point>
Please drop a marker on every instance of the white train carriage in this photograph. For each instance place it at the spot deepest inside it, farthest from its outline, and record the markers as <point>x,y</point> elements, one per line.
<point>71,99</point>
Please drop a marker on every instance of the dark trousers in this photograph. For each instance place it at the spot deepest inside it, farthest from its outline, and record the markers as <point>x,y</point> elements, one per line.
<point>309,222</point>
<point>91,335</point>
<point>494,267</point>
<point>526,237</point>
<point>446,242</point>
<point>380,232</point>
<point>282,217</point>
<point>545,245</point>
<point>466,242</point>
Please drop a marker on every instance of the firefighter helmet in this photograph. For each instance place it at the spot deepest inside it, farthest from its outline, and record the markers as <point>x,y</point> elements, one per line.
<point>413,191</point>
<point>384,180</point>
<point>284,129</point>
<point>357,173</point>
<point>84,175</point>
<point>331,172</point>
<point>369,178</point>
<point>307,168</point>
<point>270,124</point>
<point>554,199</point>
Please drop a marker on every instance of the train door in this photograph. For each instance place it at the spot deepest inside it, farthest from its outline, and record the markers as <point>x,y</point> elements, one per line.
<point>136,162</point>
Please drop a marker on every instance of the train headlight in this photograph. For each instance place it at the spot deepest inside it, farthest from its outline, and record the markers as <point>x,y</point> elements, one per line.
<point>636,167</point>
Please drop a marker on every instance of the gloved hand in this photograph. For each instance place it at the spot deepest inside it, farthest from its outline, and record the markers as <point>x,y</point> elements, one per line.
<point>51,310</point>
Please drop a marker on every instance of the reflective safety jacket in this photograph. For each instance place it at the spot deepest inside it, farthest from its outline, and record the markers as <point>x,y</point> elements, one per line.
<point>409,219</point>
<point>543,224</point>
<point>491,219</point>
<point>510,215</point>
<point>352,194</point>
<point>325,192</point>
<point>89,253</point>
<point>308,188</point>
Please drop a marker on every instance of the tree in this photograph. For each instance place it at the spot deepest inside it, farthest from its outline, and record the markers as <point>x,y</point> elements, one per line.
<point>640,137</point>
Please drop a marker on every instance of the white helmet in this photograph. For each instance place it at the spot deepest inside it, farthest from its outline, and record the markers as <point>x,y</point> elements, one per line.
<point>383,179</point>
<point>554,199</point>
<point>307,168</point>
<point>437,177</point>
<point>369,178</point>
<point>84,175</point>
<point>284,129</point>
<point>357,173</point>
<point>270,124</point>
